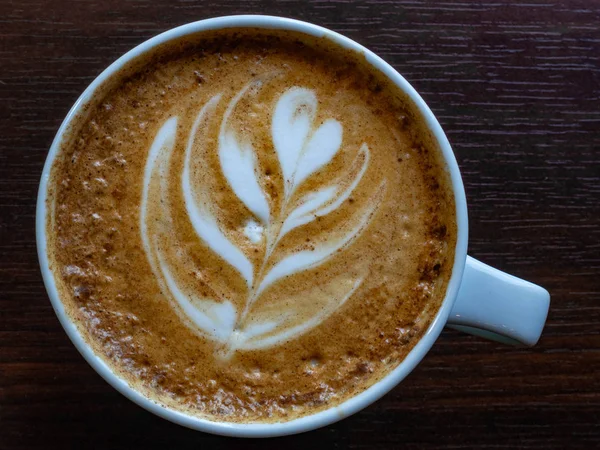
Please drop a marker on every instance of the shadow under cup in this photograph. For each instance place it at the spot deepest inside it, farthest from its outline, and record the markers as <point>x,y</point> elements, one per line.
<point>376,390</point>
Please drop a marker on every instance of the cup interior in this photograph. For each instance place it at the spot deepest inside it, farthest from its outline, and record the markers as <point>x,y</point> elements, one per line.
<point>322,418</point>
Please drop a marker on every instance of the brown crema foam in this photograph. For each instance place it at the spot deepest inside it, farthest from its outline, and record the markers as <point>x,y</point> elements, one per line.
<point>119,243</point>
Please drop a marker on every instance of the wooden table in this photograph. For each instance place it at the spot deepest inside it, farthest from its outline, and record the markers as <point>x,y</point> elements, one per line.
<point>516,86</point>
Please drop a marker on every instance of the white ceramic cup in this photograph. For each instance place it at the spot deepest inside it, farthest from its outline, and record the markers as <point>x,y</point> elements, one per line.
<point>479,299</point>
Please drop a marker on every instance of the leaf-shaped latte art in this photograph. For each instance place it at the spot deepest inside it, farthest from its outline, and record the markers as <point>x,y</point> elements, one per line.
<point>238,162</point>
<point>326,200</point>
<point>308,259</point>
<point>217,319</point>
<point>270,333</point>
<point>320,149</point>
<point>203,221</point>
<point>302,150</point>
<point>214,319</point>
<point>294,113</point>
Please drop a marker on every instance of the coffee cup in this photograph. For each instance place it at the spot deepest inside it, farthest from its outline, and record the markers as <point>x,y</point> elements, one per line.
<point>478,299</point>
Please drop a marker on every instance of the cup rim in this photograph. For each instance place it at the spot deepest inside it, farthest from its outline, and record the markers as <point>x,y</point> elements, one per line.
<point>353,404</point>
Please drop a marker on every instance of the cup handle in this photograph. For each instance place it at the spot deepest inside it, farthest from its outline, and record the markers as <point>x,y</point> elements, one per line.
<point>497,306</point>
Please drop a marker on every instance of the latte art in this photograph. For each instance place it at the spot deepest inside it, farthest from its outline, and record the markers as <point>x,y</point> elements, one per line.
<point>250,226</point>
<point>302,150</point>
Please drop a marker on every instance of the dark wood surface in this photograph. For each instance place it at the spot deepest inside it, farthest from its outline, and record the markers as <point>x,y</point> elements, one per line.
<point>516,86</point>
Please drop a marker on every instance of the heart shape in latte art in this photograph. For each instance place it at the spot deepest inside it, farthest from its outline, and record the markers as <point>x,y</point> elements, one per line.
<point>302,149</point>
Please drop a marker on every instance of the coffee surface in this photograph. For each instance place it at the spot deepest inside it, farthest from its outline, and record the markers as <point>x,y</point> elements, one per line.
<point>250,225</point>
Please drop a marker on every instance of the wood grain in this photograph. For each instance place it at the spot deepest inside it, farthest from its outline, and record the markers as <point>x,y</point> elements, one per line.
<point>516,86</point>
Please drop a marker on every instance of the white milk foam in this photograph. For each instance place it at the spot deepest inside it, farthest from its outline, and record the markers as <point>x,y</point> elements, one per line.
<point>301,150</point>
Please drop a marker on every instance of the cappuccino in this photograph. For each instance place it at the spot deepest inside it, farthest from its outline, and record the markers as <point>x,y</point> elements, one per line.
<point>250,225</point>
